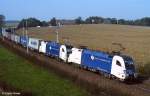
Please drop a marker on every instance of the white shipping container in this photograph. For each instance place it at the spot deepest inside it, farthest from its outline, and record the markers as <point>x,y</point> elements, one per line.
<point>12,37</point>
<point>34,43</point>
<point>63,53</point>
<point>5,34</point>
<point>75,56</point>
<point>42,48</point>
<point>9,36</point>
<point>17,39</point>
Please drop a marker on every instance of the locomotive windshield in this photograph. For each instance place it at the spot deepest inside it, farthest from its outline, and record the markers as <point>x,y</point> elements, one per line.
<point>69,47</point>
<point>129,64</point>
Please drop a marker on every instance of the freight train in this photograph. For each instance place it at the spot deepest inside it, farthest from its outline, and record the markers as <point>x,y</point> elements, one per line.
<point>112,65</point>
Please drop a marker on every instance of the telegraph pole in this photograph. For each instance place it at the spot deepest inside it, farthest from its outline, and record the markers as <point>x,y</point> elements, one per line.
<point>57,36</point>
<point>117,21</point>
<point>93,21</point>
<point>3,31</point>
<point>57,33</point>
<point>23,28</point>
<point>27,35</point>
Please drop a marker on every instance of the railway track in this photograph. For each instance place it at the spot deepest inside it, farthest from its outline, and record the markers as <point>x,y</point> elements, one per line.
<point>96,84</point>
<point>144,89</point>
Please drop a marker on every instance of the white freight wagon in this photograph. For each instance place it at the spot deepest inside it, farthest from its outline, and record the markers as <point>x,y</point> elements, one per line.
<point>34,43</point>
<point>5,34</point>
<point>42,47</point>
<point>75,56</point>
<point>13,37</point>
<point>17,39</point>
<point>64,52</point>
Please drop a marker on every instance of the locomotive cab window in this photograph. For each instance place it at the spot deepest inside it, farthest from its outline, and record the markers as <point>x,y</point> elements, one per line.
<point>118,63</point>
<point>63,50</point>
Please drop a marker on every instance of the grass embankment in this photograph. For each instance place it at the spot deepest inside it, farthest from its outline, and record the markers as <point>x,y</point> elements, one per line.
<point>21,74</point>
<point>145,70</point>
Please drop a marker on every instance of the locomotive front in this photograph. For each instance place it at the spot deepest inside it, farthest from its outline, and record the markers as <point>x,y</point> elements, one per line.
<point>129,68</point>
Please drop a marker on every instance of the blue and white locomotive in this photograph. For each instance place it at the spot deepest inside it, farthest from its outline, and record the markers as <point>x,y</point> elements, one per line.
<point>117,66</point>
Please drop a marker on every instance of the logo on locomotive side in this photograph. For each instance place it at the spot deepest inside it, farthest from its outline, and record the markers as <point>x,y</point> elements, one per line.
<point>92,57</point>
<point>50,47</point>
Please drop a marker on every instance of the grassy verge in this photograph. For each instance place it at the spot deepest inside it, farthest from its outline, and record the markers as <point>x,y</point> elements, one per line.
<point>145,70</point>
<point>17,72</point>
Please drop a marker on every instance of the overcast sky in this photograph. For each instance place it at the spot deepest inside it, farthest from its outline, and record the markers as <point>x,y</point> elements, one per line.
<point>70,9</point>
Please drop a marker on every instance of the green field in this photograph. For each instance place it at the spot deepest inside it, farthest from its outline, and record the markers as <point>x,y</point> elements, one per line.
<point>135,39</point>
<point>21,74</point>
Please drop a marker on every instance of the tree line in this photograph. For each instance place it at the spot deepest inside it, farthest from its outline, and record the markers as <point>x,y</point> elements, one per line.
<point>145,21</point>
<point>2,20</point>
<point>33,22</point>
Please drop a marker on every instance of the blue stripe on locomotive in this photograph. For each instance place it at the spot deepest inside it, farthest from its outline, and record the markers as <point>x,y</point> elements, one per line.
<point>97,60</point>
<point>52,49</point>
<point>24,40</point>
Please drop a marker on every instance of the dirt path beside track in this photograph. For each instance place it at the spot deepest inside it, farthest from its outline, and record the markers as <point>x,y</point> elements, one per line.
<point>94,83</point>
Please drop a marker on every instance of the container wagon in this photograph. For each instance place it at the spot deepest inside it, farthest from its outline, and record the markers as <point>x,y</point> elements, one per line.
<point>65,50</point>
<point>42,48</point>
<point>13,37</point>
<point>52,49</point>
<point>34,43</point>
<point>17,39</point>
<point>75,56</point>
<point>24,41</point>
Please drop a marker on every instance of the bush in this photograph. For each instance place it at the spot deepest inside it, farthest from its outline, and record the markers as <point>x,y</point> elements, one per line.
<point>31,22</point>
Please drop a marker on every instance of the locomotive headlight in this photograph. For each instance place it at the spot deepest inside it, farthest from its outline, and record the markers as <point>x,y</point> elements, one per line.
<point>131,63</point>
<point>125,73</point>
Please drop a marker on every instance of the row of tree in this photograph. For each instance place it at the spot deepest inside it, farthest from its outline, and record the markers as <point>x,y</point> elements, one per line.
<point>33,22</point>
<point>2,20</point>
<point>99,20</point>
